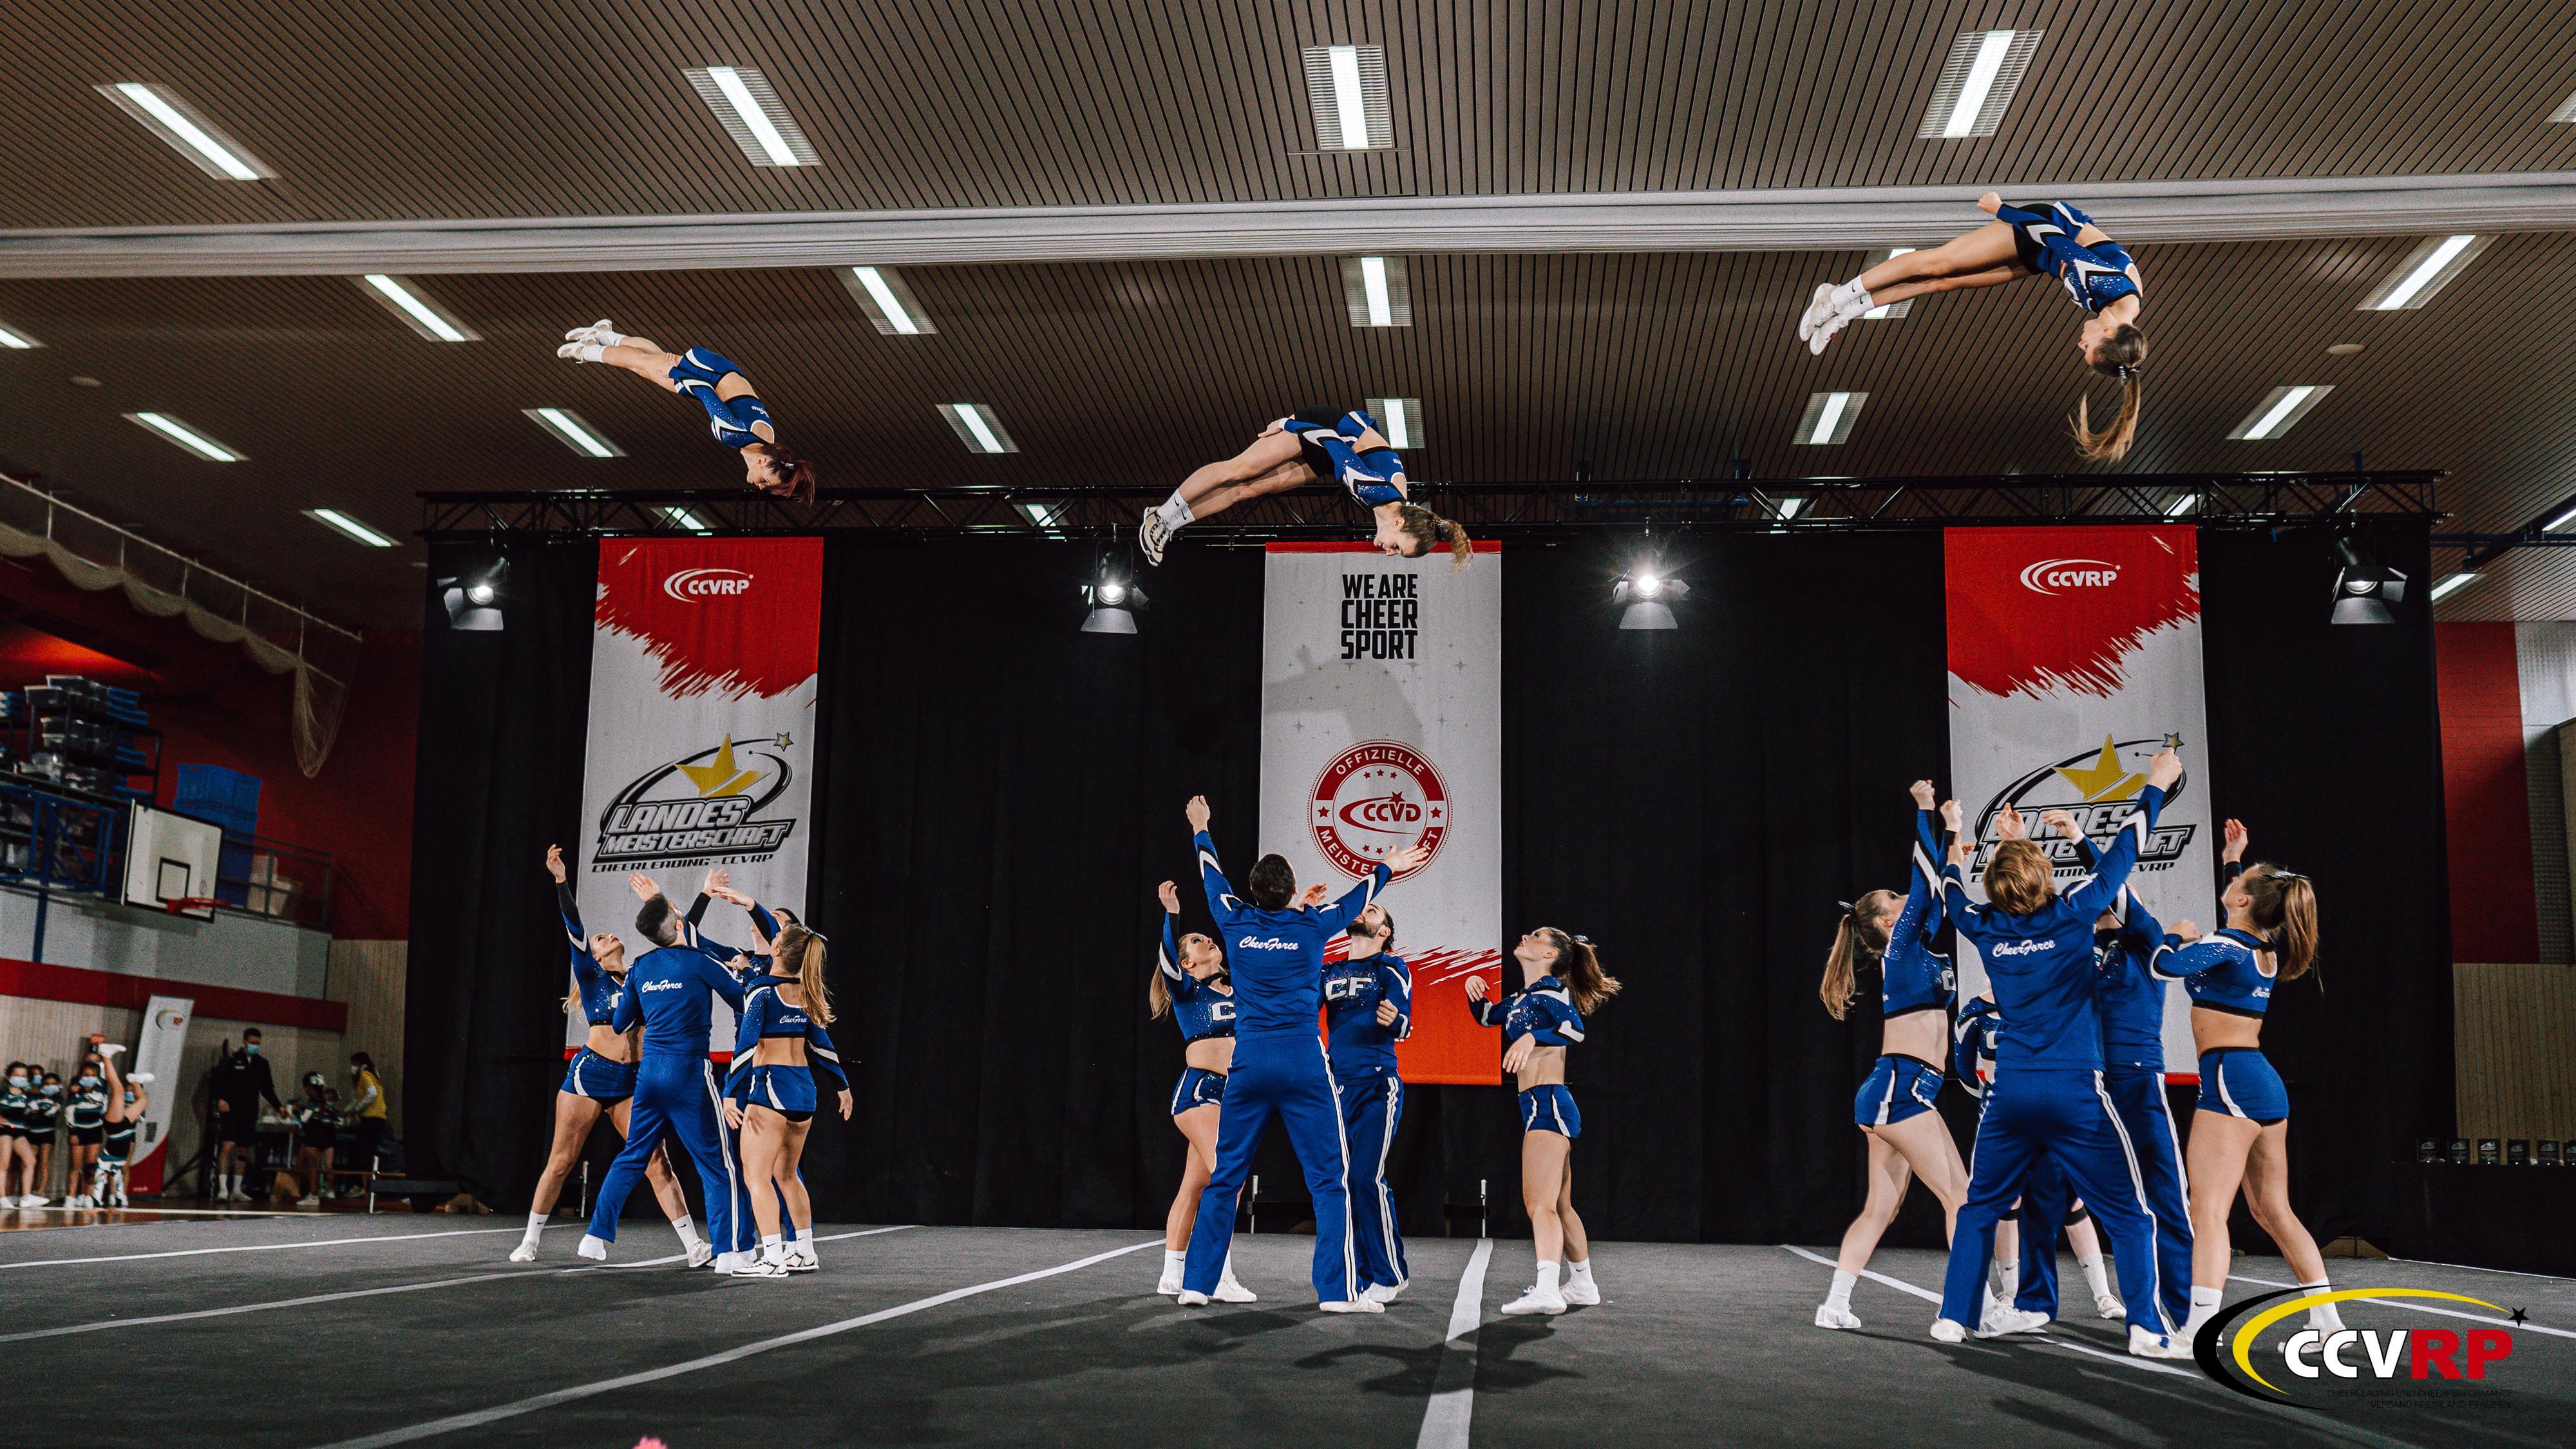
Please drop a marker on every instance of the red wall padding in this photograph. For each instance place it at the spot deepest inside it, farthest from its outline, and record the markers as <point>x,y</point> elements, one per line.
<point>2485,803</point>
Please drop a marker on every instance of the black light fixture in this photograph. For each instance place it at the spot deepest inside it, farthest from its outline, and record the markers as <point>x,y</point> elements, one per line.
<point>2365,591</point>
<point>1647,592</point>
<point>1113,603</point>
<point>473,600</point>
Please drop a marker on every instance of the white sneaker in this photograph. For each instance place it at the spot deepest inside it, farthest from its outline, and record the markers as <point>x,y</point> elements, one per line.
<point>730,1263</point>
<point>312,1200</point>
<point>1382,1292</point>
<point>141,1079</point>
<point>1828,1316</point>
<point>1355,1305</point>
<point>1825,334</point>
<point>8,1202</point>
<point>1188,1299</point>
<point>2109,1305</point>
<point>701,1253</point>
<point>599,332</point>
<point>1819,307</point>
<point>1152,536</point>
<point>1532,1302</point>
<point>1949,1330</point>
<point>109,1049</point>
<point>759,1268</point>
<point>2157,1345</point>
<point>524,1253</point>
<point>804,1263</point>
<point>595,1249</point>
<point>1230,1291</point>
<point>1580,1293</point>
<point>2006,1319</point>
<point>1169,1285</point>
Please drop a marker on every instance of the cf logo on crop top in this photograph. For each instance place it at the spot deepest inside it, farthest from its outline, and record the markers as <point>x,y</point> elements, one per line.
<point>689,586</point>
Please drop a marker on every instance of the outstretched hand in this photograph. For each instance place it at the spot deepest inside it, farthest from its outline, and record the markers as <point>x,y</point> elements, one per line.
<point>1922,792</point>
<point>1314,895</point>
<point>730,896</point>
<point>1475,988</point>
<point>554,863</point>
<point>1962,850</point>
<point>642,885</point>
<point>2237,840</point>
<point>1199,814</point>
<point>1171,897</point>
<point>715,883</point>
<point>1951,815</point>
<point>2009,824</point>
<point>2061,822</point>
<point>1409,858</point>
<point>2165,769</point>
<point>1991,202</point>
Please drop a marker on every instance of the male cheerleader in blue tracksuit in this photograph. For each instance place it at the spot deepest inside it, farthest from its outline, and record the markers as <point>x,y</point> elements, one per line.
<point>2131,1000</point>
<point>1368,1006</point>
<point>1276,955</point>
<point>675,1086</point>
<point>2048,1097</point>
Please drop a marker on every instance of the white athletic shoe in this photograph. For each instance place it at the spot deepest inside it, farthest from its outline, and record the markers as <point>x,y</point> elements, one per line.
<point>1828,1316</point>
<point>309,1200</point>
<point>804,1263</point>
<point>1170,1283</point>
<point>595,1249</point>
<point>1383,1292</point>
<point>524,1253</point>
<point>571,351</point>
<point>1819,307</point>
<point>730,1263</point>
<point>8,1202</point>
<point>2157,1345</point>
<point>1153,536</point>
<point>2006,1319</point>
<point>1353,1305</point>
<point>1579,1294</point>
<point>701,1253</point>
<point>1824,334</point>
<point>109,1049</point>
<point>758,1268</point>
<point>1949,1330</point>
<point>2109,1305</point>
<point>1189,1299</point>
<point>141,1078</point>
<point>1230,1291</point>
<point>1532,1302</point>
<point>597,332</point>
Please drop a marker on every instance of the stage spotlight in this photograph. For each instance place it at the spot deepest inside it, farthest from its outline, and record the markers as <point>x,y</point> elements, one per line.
<point>472,600</point>
<point>1113,603</point>
<point>2365,592</point>
<point>1644,593</point>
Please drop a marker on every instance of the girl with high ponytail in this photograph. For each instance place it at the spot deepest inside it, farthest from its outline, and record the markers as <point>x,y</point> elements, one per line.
<point>779,1046</point>
<point>1563,982</point>
<point>2240,1137</point>
<point>1307,446</point>
<point>1894,1106</point>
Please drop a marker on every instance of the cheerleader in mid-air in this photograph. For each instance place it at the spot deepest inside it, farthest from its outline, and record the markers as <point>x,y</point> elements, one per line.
<point>1312,444</point>
<point>735,413</point>
<point>2050,238</point>
<point>1894,1108</point>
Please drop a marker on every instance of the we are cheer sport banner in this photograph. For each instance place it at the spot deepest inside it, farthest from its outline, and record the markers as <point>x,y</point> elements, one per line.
<point>1381,726</point>
<point>2074,658</point>
<point>701,753</point>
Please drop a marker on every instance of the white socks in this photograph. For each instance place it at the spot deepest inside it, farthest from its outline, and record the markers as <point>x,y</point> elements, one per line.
<point>1580,1272</point>
<point>1840,1294</point>
<point>1852,298</point>
<point>773,1248</point>
<point>2204,1306</point>
<point>1173,512</point>
<point>2094,1276</point>
<point>687,1228</point>
<point>580,351</point>
<point>536,1225</point>
<point>2323,1318</point>
<point>2007,1280</point>
<point>1547,1281</point>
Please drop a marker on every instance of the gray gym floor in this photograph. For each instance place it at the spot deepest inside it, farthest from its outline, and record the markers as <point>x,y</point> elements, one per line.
<point>339,1330</point>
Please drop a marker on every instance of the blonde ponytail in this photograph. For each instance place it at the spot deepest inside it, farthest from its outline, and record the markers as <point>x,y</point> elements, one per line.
<point>798,952</point>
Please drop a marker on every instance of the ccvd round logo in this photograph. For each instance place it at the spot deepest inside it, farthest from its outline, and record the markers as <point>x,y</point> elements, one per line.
<point>1374,799</point>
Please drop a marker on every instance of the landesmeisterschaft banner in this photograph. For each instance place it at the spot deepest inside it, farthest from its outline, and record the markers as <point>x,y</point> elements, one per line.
<point>702,684</point>
<point>1381,725</point>
<point>2074,658</point>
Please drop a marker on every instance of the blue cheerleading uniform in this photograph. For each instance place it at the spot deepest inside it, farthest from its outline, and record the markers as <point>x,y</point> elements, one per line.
<point>1277,959</point>
<point>731,420</point>
<point>668,991</point>
<point>785,1088</point>
<point>1913,976</point>
<point>1362,1054</point>
<point>1544,1011</point>
<point>2224,972</point>
<point>2048,1098</point>
<point>1200,1011</point>
<point>589,1074</point>
<point>2095,276</point>
<point>1974,1035</point>
<point>1332,447</point>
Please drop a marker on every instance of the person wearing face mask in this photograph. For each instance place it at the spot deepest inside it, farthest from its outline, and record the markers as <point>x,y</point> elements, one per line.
<point>44,1113</point>
<point>84,1112</point>
<point>363,1115</point>
<point>241,1082</point>
<point>17,1159</point>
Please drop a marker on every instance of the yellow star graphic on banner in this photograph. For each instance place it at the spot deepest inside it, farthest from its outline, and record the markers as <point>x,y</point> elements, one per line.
<point>2105,779</point>
<point>723,777</point>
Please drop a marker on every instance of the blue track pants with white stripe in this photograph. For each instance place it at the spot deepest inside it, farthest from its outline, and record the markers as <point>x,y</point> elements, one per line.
<point>1372,1105</point>
<point>2139,1097</point>
<point>2066,1116</point>
<point>1283,1075</point>
<point>675,1094</point>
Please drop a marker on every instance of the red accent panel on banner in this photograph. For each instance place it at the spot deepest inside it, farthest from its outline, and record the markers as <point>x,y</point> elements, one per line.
<point>1483,545</point>
<point>2485,794</point>
<point>2063,621</point>
<point>81,986</point>
<point>732,615</point>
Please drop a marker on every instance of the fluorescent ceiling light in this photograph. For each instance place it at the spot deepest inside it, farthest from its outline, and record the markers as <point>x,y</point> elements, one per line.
<point>574,432</point>
<point>186,437</point>
<point>1376,291</point>
<point>2184,504</point>
<point>399,298</point>
<point>1977,82</point>
<point>1787,508</point>
<point>1402,418</point>
<point>978,428</point>
<point>2453,584</point>
<point>2279,411</point>
<point>176,122</point>
<point>2561,521</point>
<point>1346,87</point>
<point>1885,311</point>
<point>1828,418</point>
<point>15,340</point>
<point>1039,514</point>
<point>886,299</point>
<point>2566,110</point>
<point>682,518</point>
<point>2423,272</point>
<point>744,101</point>
<point>349,526</point>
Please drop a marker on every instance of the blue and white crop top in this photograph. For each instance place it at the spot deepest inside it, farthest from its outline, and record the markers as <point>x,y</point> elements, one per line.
<point>1199,1009</point>
<point>2223,971</point>
<point>599,990</point>
<point>2095,276</point>
<point>766,1014</point>
<point>1912,975</point>
<point>1334,439</point>
<point>697,373</point>
<point>1542,1011</point>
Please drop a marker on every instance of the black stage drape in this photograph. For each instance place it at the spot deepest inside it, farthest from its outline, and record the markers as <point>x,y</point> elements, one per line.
<point>998,795</point>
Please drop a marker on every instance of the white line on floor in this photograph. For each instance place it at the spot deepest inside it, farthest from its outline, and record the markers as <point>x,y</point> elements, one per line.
<point>1899,1284</point>
<point>2474,1268</point>
<point>259,1247</point>
<point>2417,1305</point>
<point>1446,1416</point>
<point>499,1412</point>
<point>676,1257</point>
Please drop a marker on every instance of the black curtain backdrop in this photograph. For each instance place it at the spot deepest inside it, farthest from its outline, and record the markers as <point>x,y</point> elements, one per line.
<point>998,795</point>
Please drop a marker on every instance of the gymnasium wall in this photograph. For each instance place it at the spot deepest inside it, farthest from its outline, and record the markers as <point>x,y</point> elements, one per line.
<point>999,794</point>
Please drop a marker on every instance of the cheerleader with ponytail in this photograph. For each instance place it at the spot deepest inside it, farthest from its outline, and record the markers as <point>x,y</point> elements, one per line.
<point>1564,984</point>
<point>1315,443</point>
<point>1894,1107</point>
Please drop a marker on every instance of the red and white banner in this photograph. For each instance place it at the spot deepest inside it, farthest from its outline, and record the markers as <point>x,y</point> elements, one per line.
<point>1381,725</point>
<point>2074,658</point>
<point>702,685</point>
<point>165,1033</point>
